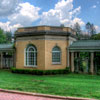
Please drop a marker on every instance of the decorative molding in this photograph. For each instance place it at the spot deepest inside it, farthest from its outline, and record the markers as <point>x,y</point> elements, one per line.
<point>41,38</point>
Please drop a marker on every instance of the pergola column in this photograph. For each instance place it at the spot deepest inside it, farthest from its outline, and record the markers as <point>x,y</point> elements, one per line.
<point>1,60</point>
<point>72,61</point>
<point>68,58</point>
<point>92,63</point>
<point>14,58</point>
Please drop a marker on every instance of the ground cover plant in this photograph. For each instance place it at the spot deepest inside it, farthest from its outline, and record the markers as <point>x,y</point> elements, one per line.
<point>76,85</point>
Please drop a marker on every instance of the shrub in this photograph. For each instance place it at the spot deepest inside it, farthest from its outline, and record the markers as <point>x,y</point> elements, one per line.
<point>40,72</point>
<point>98,72</point>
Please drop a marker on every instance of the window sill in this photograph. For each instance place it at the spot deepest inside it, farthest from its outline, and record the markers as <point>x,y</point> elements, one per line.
<point>30,66</point>
<point>56,63</point>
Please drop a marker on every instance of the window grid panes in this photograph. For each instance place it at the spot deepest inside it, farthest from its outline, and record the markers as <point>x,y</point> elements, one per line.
<point>56,55</point>
<point>31,56</point>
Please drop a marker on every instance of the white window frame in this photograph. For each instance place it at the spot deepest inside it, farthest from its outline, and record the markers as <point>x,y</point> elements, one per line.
<point>26,64</point>
<point>59,57</point>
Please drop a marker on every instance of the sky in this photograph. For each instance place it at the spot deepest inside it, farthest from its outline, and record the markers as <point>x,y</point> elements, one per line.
<point>23,13</point>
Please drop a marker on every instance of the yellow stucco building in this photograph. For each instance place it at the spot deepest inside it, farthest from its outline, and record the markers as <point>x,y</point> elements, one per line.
<point>43,47</point>
<point>50,48</point>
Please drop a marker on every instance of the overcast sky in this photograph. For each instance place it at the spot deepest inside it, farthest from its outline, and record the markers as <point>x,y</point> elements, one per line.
<point>22,13</point>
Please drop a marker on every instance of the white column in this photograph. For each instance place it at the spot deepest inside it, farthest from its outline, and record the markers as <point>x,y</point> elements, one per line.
<point>92,63</point>
<point>72,61</point>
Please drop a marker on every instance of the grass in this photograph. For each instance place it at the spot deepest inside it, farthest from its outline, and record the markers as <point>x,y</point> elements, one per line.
<point>65,85</point>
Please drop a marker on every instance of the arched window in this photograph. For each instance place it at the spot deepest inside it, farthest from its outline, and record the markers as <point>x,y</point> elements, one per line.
<point>31,56</point>
<point>56,55</point>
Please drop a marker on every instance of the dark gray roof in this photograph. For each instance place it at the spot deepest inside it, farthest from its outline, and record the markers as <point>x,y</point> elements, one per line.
<point>4,47</point>
<point>53,30</point>
<point>85,45</point>
<point>36,33</point>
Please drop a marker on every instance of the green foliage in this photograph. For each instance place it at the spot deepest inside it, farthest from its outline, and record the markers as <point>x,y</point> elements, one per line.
<point>5,37</point>
<point>75,85</point>
<point>8,37</point>
<point>84,54</point>
<point>14,46</point>
<point>83,62</point>
<point>97,62</point>
<point>84,66</point>
<point>96,36</point>
<point>98,72</point>
<point>98,54</point>
<point>2,37</point>
<point>40,72</point>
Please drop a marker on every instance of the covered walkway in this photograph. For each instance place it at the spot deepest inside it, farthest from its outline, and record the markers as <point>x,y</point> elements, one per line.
<point>6,56</point>
<point>92,47</point>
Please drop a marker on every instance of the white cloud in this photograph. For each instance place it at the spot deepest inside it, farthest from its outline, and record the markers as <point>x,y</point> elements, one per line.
<point>8,27</point>
<point>75,12</point>
<point>78,20</point>
<point>63,13</point>
<point>26,15</point>
<point>5,26</point>
<point>97,28</point>
<point>8,7</point>
<point>14,27</point>
<point>94,6</point>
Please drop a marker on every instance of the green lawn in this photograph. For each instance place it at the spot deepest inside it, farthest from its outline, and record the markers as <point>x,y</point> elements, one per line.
<point>64,85</point>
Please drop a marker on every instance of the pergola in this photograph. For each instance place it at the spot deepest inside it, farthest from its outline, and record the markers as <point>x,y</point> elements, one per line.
<point>5,49</point>
<point>91,46</point>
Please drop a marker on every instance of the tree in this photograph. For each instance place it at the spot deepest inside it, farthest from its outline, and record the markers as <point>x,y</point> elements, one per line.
<point>93,30</point>
<point>5,37</point>
<point>62,25</point>
<point>90,29</point>
<point>96,36</point>
<point>8,37</point>
<point>77,28</point>
<point>2,36</point>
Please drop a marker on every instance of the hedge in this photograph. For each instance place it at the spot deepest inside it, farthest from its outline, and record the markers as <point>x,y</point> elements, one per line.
<point>40,72</point>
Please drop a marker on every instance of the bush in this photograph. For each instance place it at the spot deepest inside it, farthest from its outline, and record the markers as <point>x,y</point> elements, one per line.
<point>40,72</point>
<point>98,72</point>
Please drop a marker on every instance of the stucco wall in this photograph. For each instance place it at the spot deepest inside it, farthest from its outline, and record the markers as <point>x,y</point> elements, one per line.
<point>49,44</point>
<point>44,45</point>
<point>20,47</point>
